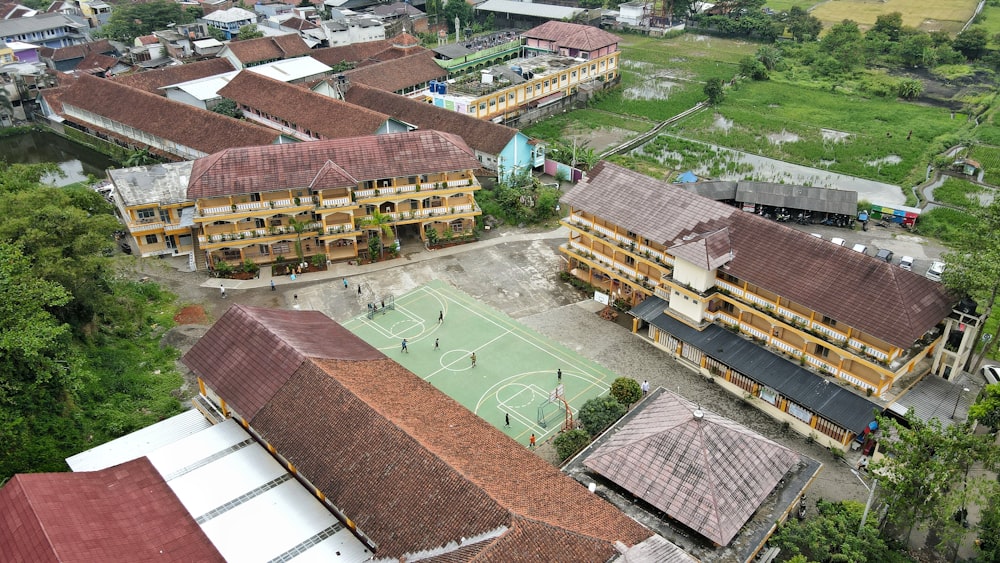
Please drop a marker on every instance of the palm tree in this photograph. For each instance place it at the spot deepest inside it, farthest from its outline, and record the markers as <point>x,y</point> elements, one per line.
<point>381,223</point>
<point>139,157</point>
<point>299,227</point>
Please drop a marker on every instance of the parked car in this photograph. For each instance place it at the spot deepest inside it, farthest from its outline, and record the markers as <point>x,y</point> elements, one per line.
<point>838,241</point>
<point>884,254</point>
<point>817,235</point>
<point>906,263</point>
<point>860,248</point>
<point>991,373</point>
<point>935,271</point>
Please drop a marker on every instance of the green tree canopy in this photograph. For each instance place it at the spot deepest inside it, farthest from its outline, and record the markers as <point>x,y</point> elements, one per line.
<point>986,410</point>
<point>599,413</point>
<point>626,390</point>
<point>228,107</point>
<point>129,20</point>
<point>570,442</point>
<point>460,8</point>
<point>833,536</point>
<point>250,32</point>
<point>802,25</point>
<point>714,90</point>
<point>971,42</point>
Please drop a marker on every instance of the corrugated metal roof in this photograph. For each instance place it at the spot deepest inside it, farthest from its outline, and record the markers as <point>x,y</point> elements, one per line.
<point>139,443</point>
<point>802,386</point>
<point>529,9</point>
<point>159,183</point>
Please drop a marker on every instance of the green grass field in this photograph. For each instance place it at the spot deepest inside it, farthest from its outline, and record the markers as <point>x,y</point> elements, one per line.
<point>989,157</point>
<point>865,137</point>
<point>515,370</point>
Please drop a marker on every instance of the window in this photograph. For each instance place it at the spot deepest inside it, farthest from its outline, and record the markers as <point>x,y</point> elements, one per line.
<point>255,196</point>
<point>146,214</point>
<point>629,261</point>
<point>482,106</point>
<point>728,307</point>
<point>150,239</point>
<point>510,96</point>
<point>538,87</point>
<point>165,215</point>
<point>457,226</point>
<point>593,67</point>
<point>828,321</point>
<point>258,223</point>
<point>493,103</point>
<point>573,75</point>
<point>822,351</point>
<point>562,78</point>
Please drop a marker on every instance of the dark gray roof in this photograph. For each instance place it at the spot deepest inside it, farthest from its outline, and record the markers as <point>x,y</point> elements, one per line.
<point>818,394</point>
<point>823,200</point>
<point>453,50</point>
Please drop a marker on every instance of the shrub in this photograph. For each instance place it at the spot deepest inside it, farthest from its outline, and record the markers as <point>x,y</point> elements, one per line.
<point>626,390</point>
<point>569,443</point>
<point>599,413</point>
<point>318,260</point>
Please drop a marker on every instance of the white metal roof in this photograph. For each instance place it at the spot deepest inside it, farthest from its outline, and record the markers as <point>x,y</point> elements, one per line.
<point>529,9</point>
<point>139,443</point>
<point>231,15</point>
<point>206,88</point>
<point>247,504</point>
<point>22,46</point>
<point>287,70</point>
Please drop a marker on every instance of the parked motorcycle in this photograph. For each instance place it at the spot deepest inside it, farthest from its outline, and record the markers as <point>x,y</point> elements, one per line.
<point>802,508</point>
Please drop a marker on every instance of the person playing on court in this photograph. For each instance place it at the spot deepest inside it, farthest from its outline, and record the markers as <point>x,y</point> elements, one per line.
<point>436,342</point>
<point>531,441</point>
<point>403,349</point>
<point>473,357</point>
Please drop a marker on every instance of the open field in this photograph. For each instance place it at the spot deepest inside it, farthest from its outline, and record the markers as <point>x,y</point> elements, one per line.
<point>849,134</point>
<point>785,5</point>
<point>960,193</point>
<point>926,15</point>
<point>989,157</point>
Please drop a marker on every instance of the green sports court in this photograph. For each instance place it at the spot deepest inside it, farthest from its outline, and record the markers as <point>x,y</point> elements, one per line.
<point>516,368</point>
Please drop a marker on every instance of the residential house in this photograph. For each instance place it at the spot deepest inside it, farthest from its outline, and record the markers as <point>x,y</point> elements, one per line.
<point>96,12</point>
<point>352,28</point>
<point>252,52</point>
<point>179,40</point>
<point>258,203</point>
<point>46,30</point>
<point>635,13</point>
<point>442,483</point>
<point>401,17</point>
<point>21,52</point>
<point>66,59</point>
<point>147,48</point>
<point>136,119</point>
<point>404,75</point>
<point>64,7</point>
<point>152,203</point>
<point>10,11</point>
<point>230,20</point>
<point>499,148</point>
<point>303,114</point>
<point>272,9</point>
<point>102,65</point>
<point>558,60</point>
<point>703,274</point>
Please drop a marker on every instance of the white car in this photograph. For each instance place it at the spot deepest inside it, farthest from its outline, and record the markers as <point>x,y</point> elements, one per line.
<point>991,373</point>
<point>906,263</point>
<point>838,241</point>
<point>860,248</point>
<point>935,271</point>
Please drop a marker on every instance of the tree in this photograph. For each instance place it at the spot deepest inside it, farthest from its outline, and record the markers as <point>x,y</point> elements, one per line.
<point>924,478</point>
<point>769,56</point>
<point>249,32</point>
<point>569,442</point>
<point>890,24</point>
<point>626,390</point>
<point>833,536</point>
<point>974,266</point>
<point>129,20</point>
<point>458,8</point>
<point>714,91</point>
<point>229,108</point>
<point>753,69</point>
<point>381,225</point>
<point>599,413</point>
<point>139,157</point>
<point>988,545</point>
<point>802,25</point>
<point>299,227</point>
<point>986,410</point>
<point>971,42</point>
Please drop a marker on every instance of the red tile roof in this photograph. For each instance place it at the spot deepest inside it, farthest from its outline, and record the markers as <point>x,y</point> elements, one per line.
<point>78,51</point>
<point>573,35</point>
<point>709,473</point>
<point>153,80</point>
<point>352,53</point>
<point>124,513</point>
<point>326,116</point>
<point>414,470</point>
<point>265,49</point>
<point>480,134</point>
<point>870,295</point>
<point>183,124</point>
<point>95,63</point>
<point>296,165</point>
<point>398,74</point>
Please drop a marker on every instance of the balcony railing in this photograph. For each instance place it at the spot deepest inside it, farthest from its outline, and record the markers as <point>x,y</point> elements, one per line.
<point>329,202</point>
<point>410,188</point>
<point>249,236</point>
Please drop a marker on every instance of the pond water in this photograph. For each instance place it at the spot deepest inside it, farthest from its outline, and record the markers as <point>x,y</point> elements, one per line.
<point>75,161</point>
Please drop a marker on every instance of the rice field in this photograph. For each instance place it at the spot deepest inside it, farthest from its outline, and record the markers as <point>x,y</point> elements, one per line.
<point>989,157</point>
<point>926,15</point>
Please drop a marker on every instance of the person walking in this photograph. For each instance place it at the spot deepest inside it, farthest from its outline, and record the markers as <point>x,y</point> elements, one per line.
<point>272,286</point>
<point>404,348</point>
<point>506,420</point>
<point>345,283</point>
<point>531,441</point>
<point>559,374</point>
<point>436,343</point>
<point>473,358</point>
<point>222,289</point>
<point>645,387</point>
<point>440,317</point>
<point>359,289</point>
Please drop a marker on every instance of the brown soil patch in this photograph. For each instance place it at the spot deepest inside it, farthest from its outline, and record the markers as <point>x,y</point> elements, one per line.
<point>191,315</point>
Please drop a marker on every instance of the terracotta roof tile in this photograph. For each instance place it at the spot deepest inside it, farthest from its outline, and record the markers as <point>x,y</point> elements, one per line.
<point>573,35</point>
<point>193,127</point>
<point>397,74</point>
<point>332,56</point>
<point>296,165</point>
<point>415,470</point>
<point>709,473</point>
<point>480,134</point>
<point>265,49</point>
<point>153,80</point>
<point>326,116</point>
<point>95,62</point>
<point>121,514</point>
<point>832,280</point>
<point>78,51</point>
